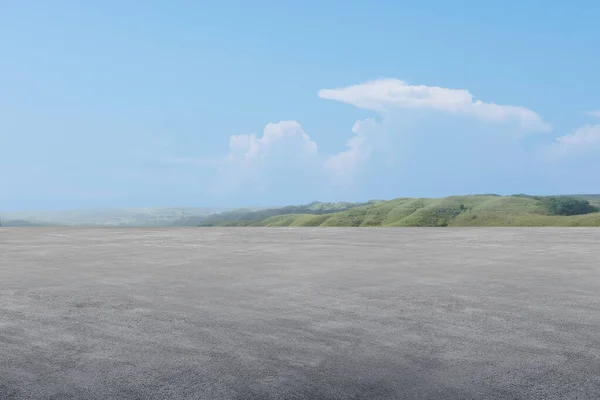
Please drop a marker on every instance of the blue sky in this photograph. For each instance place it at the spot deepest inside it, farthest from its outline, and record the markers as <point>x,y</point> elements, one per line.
<point>232,103</point>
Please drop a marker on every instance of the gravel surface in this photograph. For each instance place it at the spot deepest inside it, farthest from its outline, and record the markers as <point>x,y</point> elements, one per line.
<point>299,313</point>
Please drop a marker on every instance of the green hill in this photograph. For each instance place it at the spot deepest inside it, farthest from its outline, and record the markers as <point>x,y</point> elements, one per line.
<point>474,210</point>
<point>247,217</point>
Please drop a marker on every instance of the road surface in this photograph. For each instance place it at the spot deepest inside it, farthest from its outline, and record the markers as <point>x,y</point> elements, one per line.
<point>368,313</point>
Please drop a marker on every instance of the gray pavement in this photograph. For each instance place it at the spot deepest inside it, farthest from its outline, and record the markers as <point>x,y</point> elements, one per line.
<point>299,313</point>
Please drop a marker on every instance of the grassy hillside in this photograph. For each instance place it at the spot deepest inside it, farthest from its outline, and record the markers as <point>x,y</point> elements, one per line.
<point>476,210</point>
<point>246,217</point>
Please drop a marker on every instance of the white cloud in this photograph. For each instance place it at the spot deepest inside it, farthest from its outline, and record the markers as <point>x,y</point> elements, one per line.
<point>593,113</point>
<point>282,145</point>
<point>584,140</point>
<point>286,146</point>
<point>254,149</point>
<point>285,149</point>
<point>343,167</point>
<point>388,94</point>
<point>585,136</point>
<point>285,156</point>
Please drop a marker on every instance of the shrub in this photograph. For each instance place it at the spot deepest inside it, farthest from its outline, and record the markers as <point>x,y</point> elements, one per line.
<point>567,206</point>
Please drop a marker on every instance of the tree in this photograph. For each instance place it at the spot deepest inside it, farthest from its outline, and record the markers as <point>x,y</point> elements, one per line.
<point>567,206</point>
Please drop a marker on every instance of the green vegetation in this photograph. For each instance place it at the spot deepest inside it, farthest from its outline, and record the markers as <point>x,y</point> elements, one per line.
<point>474,210</point>
<point>246,217</point>
<point>567,206</point>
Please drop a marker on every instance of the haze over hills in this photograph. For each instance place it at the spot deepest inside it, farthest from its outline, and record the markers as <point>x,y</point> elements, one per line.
<point>471,210</point>
<point>106,217</point>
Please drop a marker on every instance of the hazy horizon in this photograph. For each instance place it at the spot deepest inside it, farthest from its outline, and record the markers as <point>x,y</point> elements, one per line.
<point>253,206</point>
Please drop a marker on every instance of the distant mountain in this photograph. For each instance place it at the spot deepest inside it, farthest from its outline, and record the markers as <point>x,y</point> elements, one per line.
<point>474,210</point>
<point>19,223</point>
<point>107,217</point>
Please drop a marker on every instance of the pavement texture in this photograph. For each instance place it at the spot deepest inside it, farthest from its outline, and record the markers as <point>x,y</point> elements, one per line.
<point>308,313</point>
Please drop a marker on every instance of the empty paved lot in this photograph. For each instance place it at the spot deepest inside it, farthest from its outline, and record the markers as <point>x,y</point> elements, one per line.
<point>299,313</point>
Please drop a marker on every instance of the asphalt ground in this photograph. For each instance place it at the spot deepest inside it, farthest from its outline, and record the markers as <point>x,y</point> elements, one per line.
<point>368,313</point>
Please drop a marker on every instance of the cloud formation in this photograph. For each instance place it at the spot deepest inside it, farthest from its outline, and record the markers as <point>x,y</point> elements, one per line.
<point>285,146</point>
<point>284,155</point>
<point>585,137</point>
<point>444,151</point>
<point>585,140</point>
<point>282,143</point>
<point>387,94</point>
<point>343,167</point>
<point>252,149</point>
